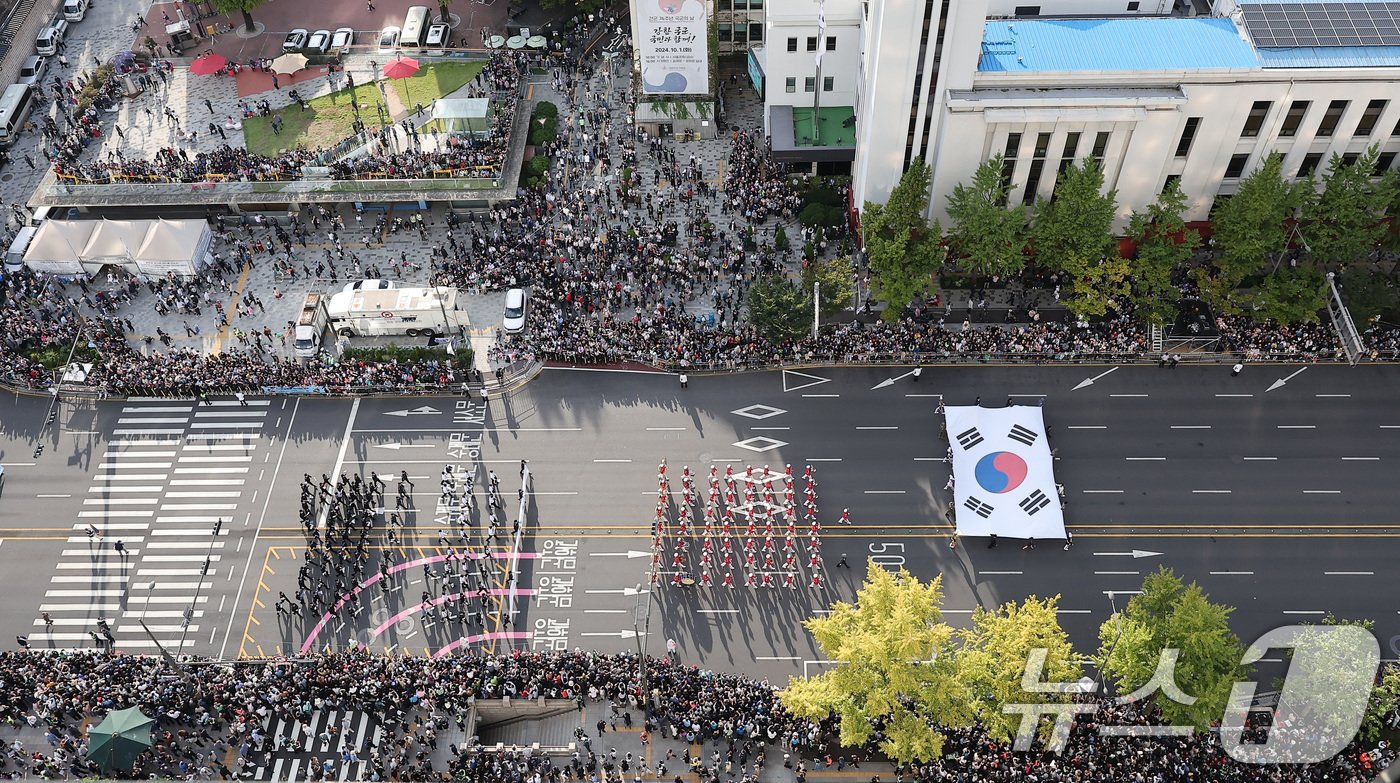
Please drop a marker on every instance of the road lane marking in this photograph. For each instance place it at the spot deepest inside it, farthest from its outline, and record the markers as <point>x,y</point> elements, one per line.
<point>1361,459</point>
<point>884,492</point>
<point>777,657</point>
<point>1000,573</point>
<point>1118,573</point>
<point>1232,573</point>
<point>1260,459</point>
<point>1088,427</point>
<point>877,428</point>
<point>54,496</point>
<point>612,460</point>
<point>1210,491</point>
<point>769,429</point>
<point>821,459</point>
<point>1190,426</point>
<point>1234,395</point>
<point>1297,426</point>
<point>1331,395</point>
<point>1348,573</point>
<point>1303,611</point>
<point>1127,395</point>
<point>716,611</point>
<point>821,395</point>
<point>1145,459</point>
<point>930,459</point>
<point>1103,491</point>
<point>667,429</point>
<point>1322,492</point>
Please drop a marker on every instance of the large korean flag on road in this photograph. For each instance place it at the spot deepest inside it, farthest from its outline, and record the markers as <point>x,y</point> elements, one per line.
<point>1005,476</point>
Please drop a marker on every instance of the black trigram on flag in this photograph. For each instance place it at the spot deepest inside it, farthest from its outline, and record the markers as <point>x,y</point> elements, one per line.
<point>983,510</point>
<point>1019,433</point>
<point>969,438</point>
<point>1034,502</point>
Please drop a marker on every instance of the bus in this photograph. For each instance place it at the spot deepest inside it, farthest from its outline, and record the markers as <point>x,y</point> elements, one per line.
<point>15,104</point>
<point>415,25</point>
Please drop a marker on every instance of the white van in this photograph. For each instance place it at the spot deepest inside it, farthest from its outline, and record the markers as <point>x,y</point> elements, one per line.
<point>75,10</point>
<point>14,256</point>
<point>516,305</point>
<point>48,39</point>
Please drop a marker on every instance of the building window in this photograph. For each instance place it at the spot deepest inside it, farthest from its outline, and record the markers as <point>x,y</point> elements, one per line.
<point>741,33</point>
<point>1013,145</point>
<point>811,43</point>
<point>809,84</point>
<point>1100,145</point>
<point>1369,118</point>
<point>756,32</point>
<point>831,43</point>
<point>1296,111</point>
<point>1237,164</point>
<point>755,5</point>
<point>1167,183</point>
<point>790,84</point>
<point>1384,162</point>
<point>1028,10</point>
<point>1396,131</point>
<point>1255,120</point>
<point>1334,113</point>
<point>792,44</point>
<point>1008,169</point>
<point>1042,145</point>
<point>1310,164</point>
<point>1188,135</point>
<point>1349,159</point>
<point>1032,182</point>
<point>828,83</point>
<point>1071,149</point>
<point>1133,7</point>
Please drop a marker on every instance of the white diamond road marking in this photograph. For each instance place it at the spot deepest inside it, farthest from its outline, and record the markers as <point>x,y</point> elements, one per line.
<point>759,412</point>
<point>760,444</point>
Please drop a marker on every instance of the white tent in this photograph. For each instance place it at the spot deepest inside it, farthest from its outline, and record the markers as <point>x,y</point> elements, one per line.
<point>1004,473</point>
<point>57,246</point>
<point>115,242</point>
<point>178,246</point>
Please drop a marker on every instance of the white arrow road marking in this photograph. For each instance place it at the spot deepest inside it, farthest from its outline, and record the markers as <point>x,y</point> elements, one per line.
<point>424,410</point>
<point>811,380</point>
<point>629,554</point>
<point>890,381</point>
<point>1135,554</point>
<point>617,634</point>
<point>1090,381</point>
<point>397,446</point>
<point>1278,384</point>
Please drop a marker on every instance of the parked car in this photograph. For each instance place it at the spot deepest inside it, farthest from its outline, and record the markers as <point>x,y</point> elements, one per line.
<point>32,71</point>
<point>295,40</point>
<point>437,36</point>
<point>516,304</point>
<point>389,39</point>
<point>370,285</point>
<point>342,39</point>
<point>319,41</point>
<point>48,39</point>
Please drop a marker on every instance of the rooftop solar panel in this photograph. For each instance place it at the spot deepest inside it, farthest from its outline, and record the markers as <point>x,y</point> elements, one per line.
<point>1276,25</point>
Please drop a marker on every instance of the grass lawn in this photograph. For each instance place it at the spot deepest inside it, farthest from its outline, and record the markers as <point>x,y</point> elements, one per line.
<point>325,122</point>
<point>434,81</point>
<point>328,118</point>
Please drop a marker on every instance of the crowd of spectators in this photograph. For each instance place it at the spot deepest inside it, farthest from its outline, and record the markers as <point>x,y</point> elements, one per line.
<point>214,712</point>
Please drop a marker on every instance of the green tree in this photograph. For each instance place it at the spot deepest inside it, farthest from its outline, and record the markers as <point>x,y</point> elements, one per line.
<point>1170,615</point>
<point>992,659</point>
<point>442,10</point>
<point>1291,295</point>
<point>837,278</point>
<point>1345,218</point>
<point>893,662</point>
<point>1249,228</point>
<point>1368,293</point>
<point>778,309</point>
<point>904,251</point>
<point>1095,286</point>
<point>244,7</point>
<point>989,237</point>
<point>1385,693</point>
<point>1164,244</point>
<point>1078,222</point>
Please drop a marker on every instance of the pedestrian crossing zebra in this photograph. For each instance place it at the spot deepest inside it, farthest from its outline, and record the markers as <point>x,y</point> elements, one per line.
<point>330,744</point>
<point>170,472</point>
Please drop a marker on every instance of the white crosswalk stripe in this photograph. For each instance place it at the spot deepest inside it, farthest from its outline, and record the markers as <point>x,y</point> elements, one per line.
<point>341,738</point>
<point>161,485</point>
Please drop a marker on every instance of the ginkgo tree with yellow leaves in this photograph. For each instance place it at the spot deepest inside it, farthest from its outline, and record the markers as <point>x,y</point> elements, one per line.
<point>901,675</point>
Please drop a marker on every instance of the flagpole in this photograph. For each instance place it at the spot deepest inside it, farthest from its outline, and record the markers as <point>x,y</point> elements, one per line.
<point>817,88</point>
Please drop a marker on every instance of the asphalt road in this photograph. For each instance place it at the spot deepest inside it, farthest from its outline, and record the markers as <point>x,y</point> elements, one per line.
<point>1278,502</point>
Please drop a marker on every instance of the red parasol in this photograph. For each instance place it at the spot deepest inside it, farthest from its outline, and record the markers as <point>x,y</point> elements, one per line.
<point>207,64</point>
<point>401,68</point>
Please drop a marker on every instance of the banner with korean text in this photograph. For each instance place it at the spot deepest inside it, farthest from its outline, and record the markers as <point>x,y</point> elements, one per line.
<point>673,37</point>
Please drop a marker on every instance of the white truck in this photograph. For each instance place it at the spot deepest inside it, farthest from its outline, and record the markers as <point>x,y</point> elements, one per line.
<point>391,311</point>
<point>311,324</point>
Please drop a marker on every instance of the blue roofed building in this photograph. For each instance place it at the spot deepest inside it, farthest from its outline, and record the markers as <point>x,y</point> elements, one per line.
<point>1196,91</point>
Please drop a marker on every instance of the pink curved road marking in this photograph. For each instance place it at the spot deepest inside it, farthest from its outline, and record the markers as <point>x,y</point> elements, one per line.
<point>481,637</point>
<point>374,579</point>
<point>418,607</point>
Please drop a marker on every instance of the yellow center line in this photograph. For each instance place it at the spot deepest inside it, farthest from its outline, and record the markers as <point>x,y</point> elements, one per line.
<point>231,312</point>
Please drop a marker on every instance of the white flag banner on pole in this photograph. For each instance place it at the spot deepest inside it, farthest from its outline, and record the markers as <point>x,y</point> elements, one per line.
<point>821,33</point>
<point>1004,473</point>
